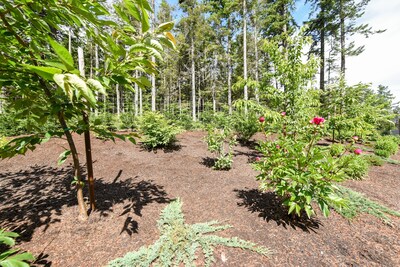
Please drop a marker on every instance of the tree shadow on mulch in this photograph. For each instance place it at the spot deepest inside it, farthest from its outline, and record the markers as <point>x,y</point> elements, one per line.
<point>166,149</point>
<point>269,206</point>
<point>34,198</point>
<point>208,162</point>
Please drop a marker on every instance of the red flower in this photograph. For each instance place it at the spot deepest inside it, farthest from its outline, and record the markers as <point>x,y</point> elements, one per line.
<point>317,120</point>
<point>357,151</point>
<point>258,158</point>
<point>283,114</point>
<point>278,146</point>
<point>261,119</point>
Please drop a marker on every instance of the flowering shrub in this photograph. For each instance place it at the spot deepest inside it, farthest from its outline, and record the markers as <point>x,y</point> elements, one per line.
<point>221,142</point>
<point>300,171</point>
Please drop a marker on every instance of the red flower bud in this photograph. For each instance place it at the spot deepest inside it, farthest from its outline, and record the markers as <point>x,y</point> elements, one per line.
<point>317,120</point>
<point>261,119</point>
<point>357,151</point>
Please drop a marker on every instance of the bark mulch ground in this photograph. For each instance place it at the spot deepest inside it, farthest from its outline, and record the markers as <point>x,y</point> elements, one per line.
<point>133,185</point>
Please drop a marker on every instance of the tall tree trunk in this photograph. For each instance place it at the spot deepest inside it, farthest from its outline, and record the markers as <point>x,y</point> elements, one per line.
<point>342,40</point>
<point>179,96</point>
<point>70,40</point>
<point>245,51</point>
<point>229,69</point>
<point>256,53</point>
<point>140,101</point>
<point>153,77</point>
<point>88,146</point>
<point>322,59</point>
<point>136,98</point>
<point>193,81</point>
<point>214,81</point>
<point>96,72</point>
<point>117,92</point>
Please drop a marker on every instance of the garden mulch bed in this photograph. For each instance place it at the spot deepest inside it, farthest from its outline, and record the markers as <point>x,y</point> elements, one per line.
<point>133,185</point>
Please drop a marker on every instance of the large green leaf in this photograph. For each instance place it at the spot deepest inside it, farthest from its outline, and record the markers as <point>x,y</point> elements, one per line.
<point>164,27</point>
<point>81,88</point>
<point>62,54</point>
<point>96,85</point>
<point>46,73</point>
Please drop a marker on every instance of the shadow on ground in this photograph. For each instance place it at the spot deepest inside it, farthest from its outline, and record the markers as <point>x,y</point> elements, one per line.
<point>269,206</point>
<point>35,197</point>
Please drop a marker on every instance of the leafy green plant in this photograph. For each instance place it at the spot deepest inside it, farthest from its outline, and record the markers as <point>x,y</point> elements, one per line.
<point>179,242</point>
<point>157,130</point>
<point>299,170</point>
<point>337,149</point>
<point>11,257</point>
<point>386,146</point>
<point>374,160</point>
<point>3,141</point>
<point>357,203</point>
<point>354,166</point>
<point>221,142</point>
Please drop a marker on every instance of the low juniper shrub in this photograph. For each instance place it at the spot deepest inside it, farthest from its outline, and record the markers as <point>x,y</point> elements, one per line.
<point>180,243</point>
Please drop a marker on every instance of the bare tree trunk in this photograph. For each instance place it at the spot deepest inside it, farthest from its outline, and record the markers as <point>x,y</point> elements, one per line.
<point>214,75</point>
<point>193,81</point>
<point>96,72</point>
<point>245,51</point>
<point>179,96</point>
<point>136,99</point>
<point>70,40</point>
<point>153,77</point>
<point>81,62</point>
<point>256,53</point>
<point>229,69</point>
<point>342,41</point>
<point>118,99</point>
<point>140,102</point>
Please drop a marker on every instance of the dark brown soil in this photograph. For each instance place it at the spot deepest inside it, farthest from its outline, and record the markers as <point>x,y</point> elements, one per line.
<point>133,185</point>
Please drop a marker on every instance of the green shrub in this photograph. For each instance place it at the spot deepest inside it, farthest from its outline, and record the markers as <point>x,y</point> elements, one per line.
<point>218,120</point>
<point>354,166</point>
<point>386,146</point>
<point>374,160</point>
<point>106,120</point>
<point>127,121</point>
<point>221,142</point>
<point>246,126</point>
<point>179,243</point>
<point>382,153</point>
<point>336,150</point>
<point>157,130</point>
<point>10,257</point>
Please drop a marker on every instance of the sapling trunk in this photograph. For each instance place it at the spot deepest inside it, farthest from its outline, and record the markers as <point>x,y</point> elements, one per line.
<point>89,163</point>
<point>77,171</point>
